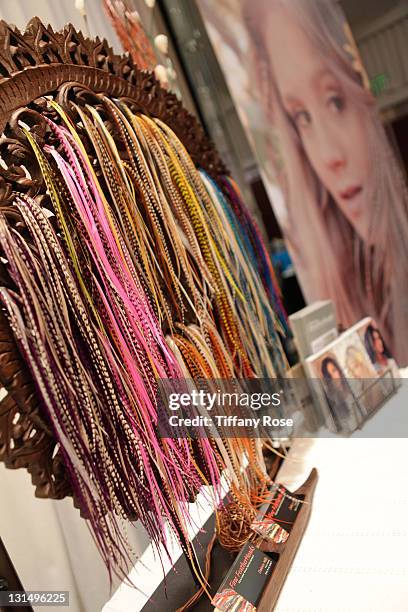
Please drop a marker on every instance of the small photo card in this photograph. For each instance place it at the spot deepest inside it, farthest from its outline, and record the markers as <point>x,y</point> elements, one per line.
<point>277,515</point>
<point>242,588</point>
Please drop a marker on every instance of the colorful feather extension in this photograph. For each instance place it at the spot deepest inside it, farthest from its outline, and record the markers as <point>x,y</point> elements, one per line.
<point>156,272</point>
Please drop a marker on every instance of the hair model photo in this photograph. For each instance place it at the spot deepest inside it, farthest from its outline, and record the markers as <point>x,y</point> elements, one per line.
<point>338,191</point>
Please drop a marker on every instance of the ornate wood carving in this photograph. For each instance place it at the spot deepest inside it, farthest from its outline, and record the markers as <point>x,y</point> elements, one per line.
<point>66,66</point>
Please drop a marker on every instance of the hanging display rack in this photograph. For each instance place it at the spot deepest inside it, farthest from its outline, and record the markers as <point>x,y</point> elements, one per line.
<point>62,66</point>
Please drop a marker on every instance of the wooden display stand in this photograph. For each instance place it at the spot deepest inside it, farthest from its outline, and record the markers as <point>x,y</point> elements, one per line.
<point>36,66</point>
<point>287,550</point>
<point>179,585</point>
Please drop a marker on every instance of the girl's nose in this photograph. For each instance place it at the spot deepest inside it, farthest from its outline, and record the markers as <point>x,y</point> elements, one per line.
<point>331,147</point>
<point>335,162</point>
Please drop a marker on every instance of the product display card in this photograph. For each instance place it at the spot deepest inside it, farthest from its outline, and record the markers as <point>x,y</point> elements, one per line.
<point>377,350</point>
<point>357,374</point>
<point>313,327</point>
<point>242,588</point>
<point>277,516</point>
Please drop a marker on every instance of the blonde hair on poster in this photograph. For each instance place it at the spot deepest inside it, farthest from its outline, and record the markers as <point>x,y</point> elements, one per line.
<point>359,262</point>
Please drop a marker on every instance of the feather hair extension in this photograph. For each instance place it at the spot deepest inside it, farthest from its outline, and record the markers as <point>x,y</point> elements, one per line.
<point>156,272</point>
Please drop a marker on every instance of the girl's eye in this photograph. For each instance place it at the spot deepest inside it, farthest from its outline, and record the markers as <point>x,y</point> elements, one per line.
<point>336,103</point>
<point>302,118</point>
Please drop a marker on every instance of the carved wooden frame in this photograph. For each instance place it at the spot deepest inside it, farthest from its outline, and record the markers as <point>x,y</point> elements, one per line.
<point>66,66</point>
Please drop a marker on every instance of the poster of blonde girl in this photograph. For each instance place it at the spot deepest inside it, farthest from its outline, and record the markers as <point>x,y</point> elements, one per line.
<point>345,213</point>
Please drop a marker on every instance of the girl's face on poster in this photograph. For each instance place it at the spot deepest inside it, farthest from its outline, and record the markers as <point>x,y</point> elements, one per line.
<point>356,366</point>
<point>330,125</point>
<point>378,342</point>
<point>333,371</point>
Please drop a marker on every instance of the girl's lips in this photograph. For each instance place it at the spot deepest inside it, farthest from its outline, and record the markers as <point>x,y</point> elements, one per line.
<point>350,192</point>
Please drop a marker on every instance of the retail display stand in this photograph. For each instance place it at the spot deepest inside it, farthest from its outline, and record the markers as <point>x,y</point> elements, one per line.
<point>287,550</point>
<point>173,593</point>
<point>385,377</point>
<point>258,573</point>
